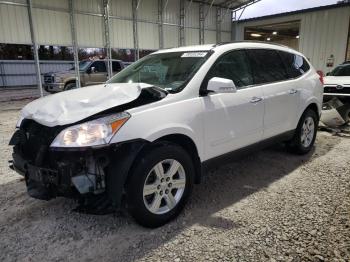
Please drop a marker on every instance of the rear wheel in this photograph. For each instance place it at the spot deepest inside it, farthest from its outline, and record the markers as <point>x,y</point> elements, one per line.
<point>305,133</point>
<point>159,186</point>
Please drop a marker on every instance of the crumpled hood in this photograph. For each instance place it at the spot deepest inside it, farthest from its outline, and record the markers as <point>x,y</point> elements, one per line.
<point>74,105</point>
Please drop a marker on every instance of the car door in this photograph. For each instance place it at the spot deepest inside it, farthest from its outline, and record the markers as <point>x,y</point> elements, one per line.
<point>279,93</point>
<point>99,73</point>
<point>232,120</point>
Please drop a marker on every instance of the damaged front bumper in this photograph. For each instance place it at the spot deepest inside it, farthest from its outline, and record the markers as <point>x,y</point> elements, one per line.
<point>81,173</point>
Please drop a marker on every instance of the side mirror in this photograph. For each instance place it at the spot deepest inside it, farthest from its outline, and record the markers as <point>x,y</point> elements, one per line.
<point>92,70</point>
<point>221,85</point>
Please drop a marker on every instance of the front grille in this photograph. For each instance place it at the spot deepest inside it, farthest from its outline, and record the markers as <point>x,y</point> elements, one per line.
<point>334,89</point>
<point>48,79</point>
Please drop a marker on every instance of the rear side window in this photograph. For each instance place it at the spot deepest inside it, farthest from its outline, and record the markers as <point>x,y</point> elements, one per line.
<point>233,65</point>
<point>296,65</point>
<point>116,67</point>
<point>267,66</point>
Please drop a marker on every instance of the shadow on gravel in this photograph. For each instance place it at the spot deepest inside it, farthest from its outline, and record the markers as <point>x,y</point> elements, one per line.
<point>119,238</point>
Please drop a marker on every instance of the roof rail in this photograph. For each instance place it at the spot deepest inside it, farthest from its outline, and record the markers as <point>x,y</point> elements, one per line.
<point>250,41</point>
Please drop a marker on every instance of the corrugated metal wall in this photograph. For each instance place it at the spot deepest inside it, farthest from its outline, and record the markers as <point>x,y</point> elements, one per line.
<point>52,24</point>
<point>19,73</point>
<point>14,27</point>
<point>322,33</point>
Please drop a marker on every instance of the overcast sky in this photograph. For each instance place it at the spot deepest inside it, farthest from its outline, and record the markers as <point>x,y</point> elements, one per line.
<point>269,7</point>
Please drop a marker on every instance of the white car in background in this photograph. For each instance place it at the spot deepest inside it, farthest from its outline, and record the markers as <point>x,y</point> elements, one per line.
<point>145,136</point>
<point>337,82</point>
<point>336,109</point>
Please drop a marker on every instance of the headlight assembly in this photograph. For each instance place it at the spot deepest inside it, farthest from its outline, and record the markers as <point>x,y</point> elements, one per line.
<point>92,133</point>
<point>58,79</point>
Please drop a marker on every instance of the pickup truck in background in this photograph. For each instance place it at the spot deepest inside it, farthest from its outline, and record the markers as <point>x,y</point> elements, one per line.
<point>92,72</point>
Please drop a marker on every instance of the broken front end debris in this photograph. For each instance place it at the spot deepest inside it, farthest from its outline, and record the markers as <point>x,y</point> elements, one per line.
<point>93,175</point>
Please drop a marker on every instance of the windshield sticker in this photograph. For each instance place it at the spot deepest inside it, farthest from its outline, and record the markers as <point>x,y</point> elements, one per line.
<point>194,54</point>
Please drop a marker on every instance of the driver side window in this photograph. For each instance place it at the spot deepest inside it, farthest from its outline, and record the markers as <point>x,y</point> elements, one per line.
<point>235,66</point>
<point>100,66</point>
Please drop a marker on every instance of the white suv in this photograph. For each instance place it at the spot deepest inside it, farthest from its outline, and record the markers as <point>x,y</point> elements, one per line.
<point>145,136</point>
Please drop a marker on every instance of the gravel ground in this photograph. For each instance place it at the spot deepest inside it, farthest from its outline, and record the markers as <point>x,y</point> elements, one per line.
<point>267,206</point>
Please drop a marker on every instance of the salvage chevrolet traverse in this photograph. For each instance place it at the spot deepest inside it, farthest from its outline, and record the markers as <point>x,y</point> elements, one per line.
<point>143,138</point>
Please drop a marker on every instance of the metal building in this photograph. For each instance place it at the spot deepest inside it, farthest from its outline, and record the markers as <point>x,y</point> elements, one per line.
<point>321,33</point>
<point>132,24</point>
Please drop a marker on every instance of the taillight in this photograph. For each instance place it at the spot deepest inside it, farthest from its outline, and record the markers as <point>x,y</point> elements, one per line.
<point>320,73</point>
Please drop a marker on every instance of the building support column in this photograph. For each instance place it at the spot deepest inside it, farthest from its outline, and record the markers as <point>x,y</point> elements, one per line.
<point>233,25</point>
<point>74,43</point>
<point>107,37</point>
<point>135,6</point>
<point>35,46</point>
<point>218,24</point>
<point>160,24</point>
<point>182,23</point>
<point>201,23</point>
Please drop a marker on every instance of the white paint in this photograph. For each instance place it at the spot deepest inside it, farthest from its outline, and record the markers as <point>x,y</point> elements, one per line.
<point>217,123</point>
<point>74,105</point>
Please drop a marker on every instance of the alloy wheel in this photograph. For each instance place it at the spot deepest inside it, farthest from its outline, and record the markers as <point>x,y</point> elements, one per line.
<point>307,131</point>
<point>164,186</point>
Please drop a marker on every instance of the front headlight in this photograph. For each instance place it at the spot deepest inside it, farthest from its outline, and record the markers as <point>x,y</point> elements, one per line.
<point>92,133</point>
<point>58,79</point>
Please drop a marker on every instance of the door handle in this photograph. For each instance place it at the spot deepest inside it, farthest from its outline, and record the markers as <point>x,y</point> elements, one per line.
<point>255,99</point>
<point>293,91</point>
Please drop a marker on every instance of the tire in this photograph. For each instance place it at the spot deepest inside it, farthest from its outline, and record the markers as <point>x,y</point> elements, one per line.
<point>146,189</point>
<point>70,86</point>
<point>301,143</point>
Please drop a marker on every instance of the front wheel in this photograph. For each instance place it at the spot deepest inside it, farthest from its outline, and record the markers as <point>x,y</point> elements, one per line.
<point>305,133</point>
<point>70,86</point>
<point>159,186</point>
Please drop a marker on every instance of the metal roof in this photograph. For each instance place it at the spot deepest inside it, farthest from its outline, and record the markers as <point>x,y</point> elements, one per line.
<point>230,4</point>
<point>301,11</point>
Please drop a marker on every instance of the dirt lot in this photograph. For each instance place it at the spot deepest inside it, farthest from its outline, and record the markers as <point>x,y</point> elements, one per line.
<point>268,206</point>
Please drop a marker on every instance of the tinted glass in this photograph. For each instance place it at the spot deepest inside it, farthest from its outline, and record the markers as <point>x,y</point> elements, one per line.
<point>116,66</point>
<point>100,66</point>
<point>295,64</point>
<point>267,66</point>
<point>234,66</point>
<point>83,65</point>
<point>342,70</point>
<point>170,71</point>
<point>305,66</point>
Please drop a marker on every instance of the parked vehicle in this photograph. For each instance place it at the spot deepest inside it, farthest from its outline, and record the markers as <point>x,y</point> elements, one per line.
<point>91,73</point>
<point>145,136</point>
<point>337,83</point>
<point>337,96</point>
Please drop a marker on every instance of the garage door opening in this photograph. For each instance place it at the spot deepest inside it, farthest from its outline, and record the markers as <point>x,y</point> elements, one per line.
<point>286,33</point>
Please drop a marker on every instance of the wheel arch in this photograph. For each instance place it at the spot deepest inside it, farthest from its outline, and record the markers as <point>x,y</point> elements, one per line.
<point>313,106</point>
<point>70,81</point>
<point>189,145</point>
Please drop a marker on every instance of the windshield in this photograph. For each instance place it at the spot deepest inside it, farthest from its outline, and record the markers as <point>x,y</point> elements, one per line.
<point>342,70</point>
<point>170,71</point>
<point>83,65</point>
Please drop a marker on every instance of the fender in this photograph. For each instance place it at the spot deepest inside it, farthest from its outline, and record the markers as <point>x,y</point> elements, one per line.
<point>311,100</point>
<point>162,131</point>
